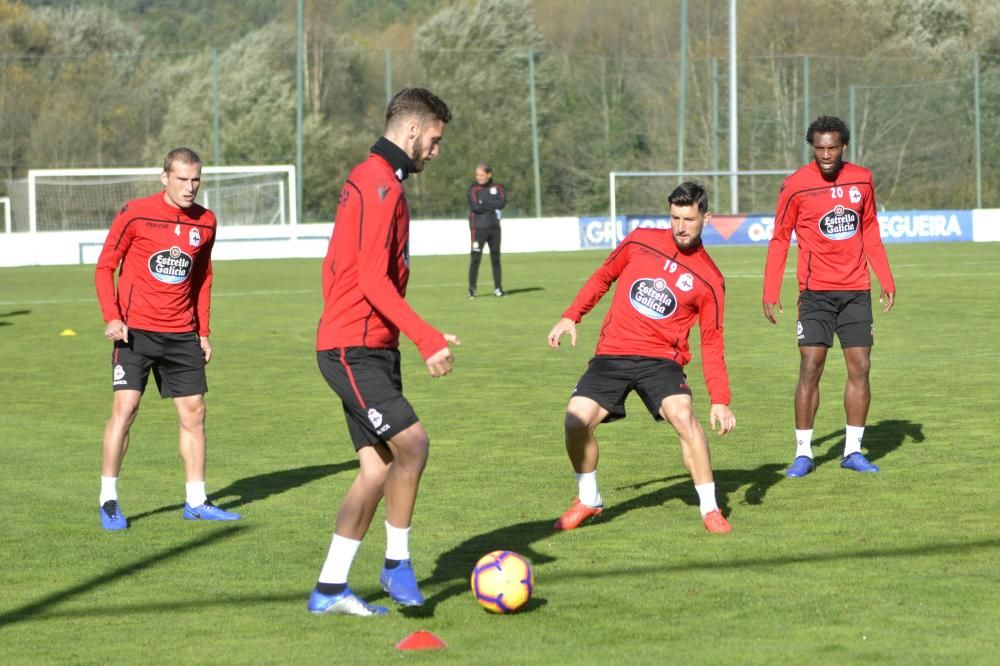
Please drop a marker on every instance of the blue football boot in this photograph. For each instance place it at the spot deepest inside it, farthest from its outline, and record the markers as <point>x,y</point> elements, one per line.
<point>208,511</point>
<point>345,603</point>
<point>800,467</point>
<point>111,516</point>
<point>401,584</point>
<point>858,463</point>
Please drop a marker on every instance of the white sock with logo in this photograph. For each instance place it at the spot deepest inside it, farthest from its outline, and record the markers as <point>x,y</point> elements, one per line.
<point>397,542</point>
<point>706,498</point>
<point>195,493</point>
<point>587,489</point>
<point>852,443</point>
<point>803,443</point>
<point>339,560</point>
<point>109,489</point>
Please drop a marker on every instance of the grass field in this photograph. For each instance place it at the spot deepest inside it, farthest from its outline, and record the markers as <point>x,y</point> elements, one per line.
<point>838,567</point>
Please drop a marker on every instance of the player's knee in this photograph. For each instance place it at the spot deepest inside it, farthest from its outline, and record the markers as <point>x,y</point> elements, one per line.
<point>191,414</point>
<point>576,425</point>
<point>124,412</point>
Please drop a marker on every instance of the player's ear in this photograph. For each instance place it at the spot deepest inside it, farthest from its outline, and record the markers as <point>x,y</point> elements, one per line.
<point>164,178</point>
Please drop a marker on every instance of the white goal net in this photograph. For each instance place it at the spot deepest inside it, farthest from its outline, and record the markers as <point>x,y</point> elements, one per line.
<point>85,199</point>
<point>644,193</point>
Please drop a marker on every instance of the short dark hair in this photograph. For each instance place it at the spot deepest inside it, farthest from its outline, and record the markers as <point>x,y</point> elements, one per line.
<point>416,101</point>
<point>825,124</point>
<point>485,166</point>
<point>689,194</point>
<point>183,155</point>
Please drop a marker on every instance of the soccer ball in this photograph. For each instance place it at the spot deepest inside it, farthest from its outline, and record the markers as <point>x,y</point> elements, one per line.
<point>502,581</point>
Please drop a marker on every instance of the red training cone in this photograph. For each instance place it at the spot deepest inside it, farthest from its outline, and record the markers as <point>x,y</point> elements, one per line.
<point>421,640</point>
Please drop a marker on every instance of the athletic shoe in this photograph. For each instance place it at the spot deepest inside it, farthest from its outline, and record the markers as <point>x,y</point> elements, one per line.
<point>575,515</point>
<point>499,293</point>
<point>472,292</point>
<point>401,584</point>
<point>858,463</point>
<point>716,523</point>
<point>111,516</point>
<point>208,511</point>
<point>345,603</point>
<point>800,467</point>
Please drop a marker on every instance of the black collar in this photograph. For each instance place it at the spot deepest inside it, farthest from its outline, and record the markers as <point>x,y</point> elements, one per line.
<point>395,156</point>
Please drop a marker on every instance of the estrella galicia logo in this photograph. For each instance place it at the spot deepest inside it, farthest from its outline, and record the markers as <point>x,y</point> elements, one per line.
<point>840,223</point>
<point>652,298</point>
<point>172,266</point>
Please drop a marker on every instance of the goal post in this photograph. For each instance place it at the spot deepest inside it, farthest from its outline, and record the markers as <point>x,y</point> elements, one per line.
<point>85,199</point>
<point>5,202</point>
<point>646,192</point>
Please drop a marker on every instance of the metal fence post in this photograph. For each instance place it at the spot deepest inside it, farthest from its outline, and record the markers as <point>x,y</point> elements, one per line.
<point>534,133</point>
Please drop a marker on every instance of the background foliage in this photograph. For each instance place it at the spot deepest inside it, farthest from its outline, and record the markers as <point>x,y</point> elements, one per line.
<point>119,82</point>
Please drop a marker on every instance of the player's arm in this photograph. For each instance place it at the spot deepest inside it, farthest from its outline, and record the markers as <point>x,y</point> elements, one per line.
<point>202,290</point>
<point>875,250</point>
<point>590,294</point>
<point>477,204</point>
<point>499,200</point>
<point>376,286</point>
<point>115,246</point>
<point>711,310</point>
<point>777,250</point>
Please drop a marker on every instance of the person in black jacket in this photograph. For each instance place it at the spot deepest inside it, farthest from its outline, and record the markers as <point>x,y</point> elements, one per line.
<point>486,198</point>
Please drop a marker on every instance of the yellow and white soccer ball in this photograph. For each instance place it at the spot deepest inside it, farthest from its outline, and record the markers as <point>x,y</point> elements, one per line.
<point>502,581</point>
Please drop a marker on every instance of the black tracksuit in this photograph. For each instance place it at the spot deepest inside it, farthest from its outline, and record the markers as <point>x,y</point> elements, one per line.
<point>485,202</point>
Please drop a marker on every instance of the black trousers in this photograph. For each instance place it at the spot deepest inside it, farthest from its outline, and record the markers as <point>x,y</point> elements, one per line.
<point>480,239</point>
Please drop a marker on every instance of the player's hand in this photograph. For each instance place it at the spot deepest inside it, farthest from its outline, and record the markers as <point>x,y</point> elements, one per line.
<point>563,326</point>
<point>116,330</point>
<point>440,362</point>
<point>769,311</point>
<point>206,348</point>
<point>886,298</point>
<point>721,419</point>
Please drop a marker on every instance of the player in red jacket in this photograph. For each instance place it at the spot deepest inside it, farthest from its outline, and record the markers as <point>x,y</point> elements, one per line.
<point>365,274</point>
<point>830,206</point>
<point>666,284</point>
<point>158,320</point>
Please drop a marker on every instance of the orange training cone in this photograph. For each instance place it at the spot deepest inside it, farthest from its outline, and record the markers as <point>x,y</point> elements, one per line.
<point>421,640</point>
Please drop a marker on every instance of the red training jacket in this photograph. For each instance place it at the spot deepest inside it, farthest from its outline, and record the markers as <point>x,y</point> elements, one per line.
<point>165,282</point>
<point>367,267</point>
<point>662,291</point>
<point>837,231</point>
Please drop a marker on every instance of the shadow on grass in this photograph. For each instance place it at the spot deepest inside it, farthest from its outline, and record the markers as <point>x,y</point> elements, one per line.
<point>40,610</point>
<point>523,290</point>
<point>12,313</point>
<point>454,566</point>
<point>880,439</point>
<point>42,605</point>
<point>259,487</point>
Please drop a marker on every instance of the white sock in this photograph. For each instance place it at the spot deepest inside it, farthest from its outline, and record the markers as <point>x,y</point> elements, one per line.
<point>339,560</point>
<point>853,442</point>
<point>397,542</point>
<point>587,489</point>
<point>195,493</point>
<point>706,498</point>
<point>803,443</point>
<point>109,489</point>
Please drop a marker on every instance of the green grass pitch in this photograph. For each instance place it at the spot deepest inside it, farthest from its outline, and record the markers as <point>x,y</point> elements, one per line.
<point>838,567</point>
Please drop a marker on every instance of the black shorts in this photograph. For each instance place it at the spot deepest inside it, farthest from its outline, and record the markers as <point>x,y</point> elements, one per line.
<point>821,313</point>
<point>176,360</point>
<point>370,386</point>
<point>609,379</point>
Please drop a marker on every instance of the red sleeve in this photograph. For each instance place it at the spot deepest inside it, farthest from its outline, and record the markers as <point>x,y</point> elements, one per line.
<point>202,288</point>
<point>115,245</point>
<point>374,260</point>
<point>599,283</point>
<point>713,358</point>
<point>872,239</point>
<point>777,250</point>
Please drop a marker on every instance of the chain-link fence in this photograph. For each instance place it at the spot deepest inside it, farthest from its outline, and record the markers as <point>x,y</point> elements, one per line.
<point>920,124</point>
